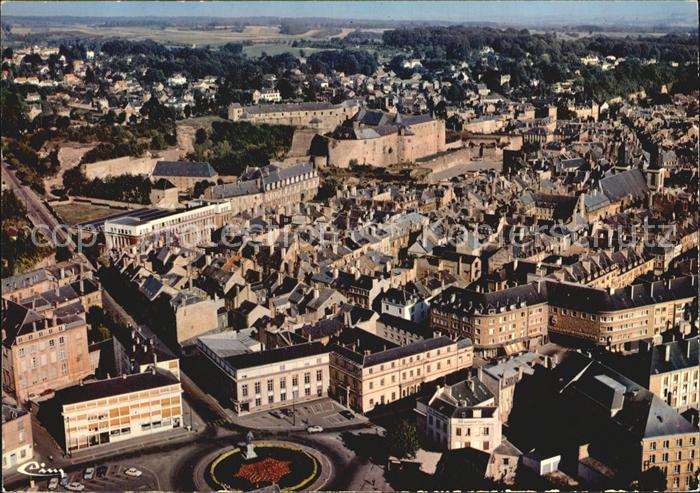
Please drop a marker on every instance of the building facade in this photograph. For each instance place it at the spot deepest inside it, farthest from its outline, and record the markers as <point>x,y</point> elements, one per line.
<point>365,381</point>
<point>274,378</point>
<point>463,415</point>
<point>120,408</point>
<point>17,442</point>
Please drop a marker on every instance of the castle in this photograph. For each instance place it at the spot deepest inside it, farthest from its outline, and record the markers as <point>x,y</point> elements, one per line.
<point>380,139</point>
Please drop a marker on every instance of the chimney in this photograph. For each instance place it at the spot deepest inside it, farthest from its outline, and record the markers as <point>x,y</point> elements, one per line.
<point>688,343</point>
<point>124,376</point>
<point>667,355</point>
<point>81,382</point>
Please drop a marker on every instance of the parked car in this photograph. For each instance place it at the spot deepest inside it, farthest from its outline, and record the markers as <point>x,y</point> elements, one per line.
<point>133,472</point>
<point>287,412</point>
<point>102,471</point>
<point>75,486</point>
<point>89,473</point>
<point>64,481</point>
<point>314,429</point>
<point>347,414</point>
<point>277,414</point>
<point>53,483</point>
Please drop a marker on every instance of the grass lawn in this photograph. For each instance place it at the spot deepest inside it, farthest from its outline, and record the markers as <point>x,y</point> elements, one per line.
<point>79,212</point>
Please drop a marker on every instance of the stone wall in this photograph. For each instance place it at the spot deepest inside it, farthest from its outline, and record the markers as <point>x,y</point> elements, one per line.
<point>421,140</point>
<point>126,165</point>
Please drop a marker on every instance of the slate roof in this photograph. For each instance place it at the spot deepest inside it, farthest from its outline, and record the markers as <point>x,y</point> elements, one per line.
<point>115,386</point>
<point>681,355</point>
<point>621,185</point>
<point>406,325</point>
<point>588,299</point>
<point>276,355</point>
<point>184,168</point>
<point>642,414</point>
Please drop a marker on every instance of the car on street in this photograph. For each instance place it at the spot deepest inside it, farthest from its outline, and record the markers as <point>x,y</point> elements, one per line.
<point>287,412</point>
<point>314,429</point>
<point>347,414</point>
<point>89,473</point>
<point>277,414</point>
<point>64,481</point>
<point>101,471</point>
<point>75,486</point>
<point>133,472</point>
<point>53,484</point>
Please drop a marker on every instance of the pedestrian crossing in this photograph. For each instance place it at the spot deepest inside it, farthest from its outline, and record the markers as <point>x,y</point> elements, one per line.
<point>218,422</point>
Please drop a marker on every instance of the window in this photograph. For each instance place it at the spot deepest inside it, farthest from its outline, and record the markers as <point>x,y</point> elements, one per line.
<point>652,459</point>
<point>319,375</point>
<point>269,386</point>
<point>486,445</point>
<point>652,446</point>
<point>307,391</point>
<point>270,398</point>
<point>258,401</point>
<point>459,432</point>
<point>283,396</point>
<point>486,431</point>
<point>666,443</point>
<point>257,387</point>
<point>307,377</point>
<point>295,380</point>
<point>283,383</point>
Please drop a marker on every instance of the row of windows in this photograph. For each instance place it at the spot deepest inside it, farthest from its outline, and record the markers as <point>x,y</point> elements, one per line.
<point>295,395</point>
<point>667,443</point>
<point>257,386</point>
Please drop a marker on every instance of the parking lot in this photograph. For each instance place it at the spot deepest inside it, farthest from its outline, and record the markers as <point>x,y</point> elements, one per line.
<point>322,412</point>
<point>113,480</point>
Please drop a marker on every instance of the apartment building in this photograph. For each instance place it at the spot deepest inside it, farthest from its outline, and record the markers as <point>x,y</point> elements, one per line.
<point>509,320</point>
<point>401,331</point>
<point>43,351</point>
<point>117,409</point>
<point>264,380</point>
<point>135,353</point>
<point>17,442</point>
<point>502,378</point>
<point>25,285</point>
<point>619,319</point>
<point>366,371</point>
<point>461,265</point>
<point>463,415</point>
<point>674,372</point>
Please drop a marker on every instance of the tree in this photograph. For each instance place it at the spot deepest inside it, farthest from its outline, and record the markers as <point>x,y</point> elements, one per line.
<point>653,479</point>
<point>200,136</point>
<point>14,116</point>
<point>12,207</point>
<point>200,187</point>
<point>403,440</point>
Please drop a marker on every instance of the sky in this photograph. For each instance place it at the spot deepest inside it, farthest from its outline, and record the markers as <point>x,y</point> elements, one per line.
<point>676,12</point>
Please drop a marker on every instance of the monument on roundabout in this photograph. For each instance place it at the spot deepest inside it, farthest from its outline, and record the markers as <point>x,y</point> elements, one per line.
<point>249,452</point>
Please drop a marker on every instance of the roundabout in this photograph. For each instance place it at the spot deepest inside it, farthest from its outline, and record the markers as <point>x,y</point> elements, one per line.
<point>291,466</point>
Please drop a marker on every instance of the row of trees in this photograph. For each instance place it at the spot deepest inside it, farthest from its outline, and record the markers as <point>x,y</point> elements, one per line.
<point>232,146</point>
<point>123,188</point>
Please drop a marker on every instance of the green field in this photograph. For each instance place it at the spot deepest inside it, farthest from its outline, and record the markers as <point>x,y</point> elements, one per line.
<point>79,212</point>
<point>272,49</point>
